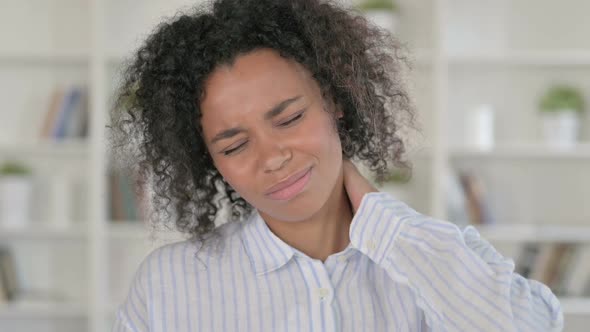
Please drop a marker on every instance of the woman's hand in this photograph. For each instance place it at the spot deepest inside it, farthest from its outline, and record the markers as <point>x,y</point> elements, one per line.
<point>355,184</point>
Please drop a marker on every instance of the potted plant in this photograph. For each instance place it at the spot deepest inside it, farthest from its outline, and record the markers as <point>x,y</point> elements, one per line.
<point>560,108</point>
<point>15,194</point>
<point>382,13</point>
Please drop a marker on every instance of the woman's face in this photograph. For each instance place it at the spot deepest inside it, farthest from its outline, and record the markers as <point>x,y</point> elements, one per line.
<point>266,127</point>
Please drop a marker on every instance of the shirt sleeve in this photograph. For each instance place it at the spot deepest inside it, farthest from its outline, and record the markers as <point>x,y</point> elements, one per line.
<point>132,314</point>
<point>460,281</point>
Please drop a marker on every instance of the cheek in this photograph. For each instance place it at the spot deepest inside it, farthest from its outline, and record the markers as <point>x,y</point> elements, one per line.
<point>235,176</point>
<point>324,137</point>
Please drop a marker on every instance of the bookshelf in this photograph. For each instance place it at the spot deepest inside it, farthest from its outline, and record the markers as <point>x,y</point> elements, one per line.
<point>43,233</point>
<point>521,151</point>
<point>30,309</point>
<point>514,232</point>
<point>70,42</point>
<point>576,306</point>
<point>558,58</point>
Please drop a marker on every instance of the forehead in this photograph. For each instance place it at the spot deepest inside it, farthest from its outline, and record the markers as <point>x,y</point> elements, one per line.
<point>255,82</point>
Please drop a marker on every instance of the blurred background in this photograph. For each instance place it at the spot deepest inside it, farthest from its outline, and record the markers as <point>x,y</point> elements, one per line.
<point>502,89</point>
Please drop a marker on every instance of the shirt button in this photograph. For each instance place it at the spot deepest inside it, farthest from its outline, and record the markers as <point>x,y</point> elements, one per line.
<point>371,244</point>
<point>323,293</point>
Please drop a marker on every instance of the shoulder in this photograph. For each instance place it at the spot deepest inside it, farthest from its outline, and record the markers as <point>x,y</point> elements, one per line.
<point>191,254</point>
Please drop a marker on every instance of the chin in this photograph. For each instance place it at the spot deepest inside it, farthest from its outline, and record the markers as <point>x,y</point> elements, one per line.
<point>299,209</point>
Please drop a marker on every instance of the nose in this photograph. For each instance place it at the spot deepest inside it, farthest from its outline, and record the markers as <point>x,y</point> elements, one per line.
<point>275,156</point>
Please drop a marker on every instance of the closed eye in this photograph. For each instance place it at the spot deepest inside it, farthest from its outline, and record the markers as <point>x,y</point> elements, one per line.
<point>292,120</point>
<point>234,150</point>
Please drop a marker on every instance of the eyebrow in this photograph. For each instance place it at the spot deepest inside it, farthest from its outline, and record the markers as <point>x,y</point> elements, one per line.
<point>273,112</point>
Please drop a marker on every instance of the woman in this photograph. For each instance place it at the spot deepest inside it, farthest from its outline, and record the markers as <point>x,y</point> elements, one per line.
<point>256,107</point>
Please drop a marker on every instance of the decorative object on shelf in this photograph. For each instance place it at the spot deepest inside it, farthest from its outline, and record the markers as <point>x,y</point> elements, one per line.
<point>382,13</point>
<point>479,127</point>
<point>16,189</point>
<point>560,108</point>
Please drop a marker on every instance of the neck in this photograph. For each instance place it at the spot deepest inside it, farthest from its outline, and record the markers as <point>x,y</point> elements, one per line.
<point>324,233</point>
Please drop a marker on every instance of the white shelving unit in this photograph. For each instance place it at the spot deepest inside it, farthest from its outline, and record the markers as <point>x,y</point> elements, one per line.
<point>535,233</point>
<point>44,234</point>
<point>28,309</point>
<point>504,57</point>
<point>520,151</point>
<point>523,58</point>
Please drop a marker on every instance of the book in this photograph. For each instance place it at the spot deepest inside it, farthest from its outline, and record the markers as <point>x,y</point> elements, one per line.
<point>456,201</point>
<point>476,198</point>
<point>127,189</point>
<point>127,197</point>
<point>563,268</point>
<point>8,275</point>
<point>526,259</point>
<point>116,207</point>
<point>52,113</point>
<point>68,108</point>
<point>76,124</point>
<point>577,278</point>
<point>541,261</point>
<point>558,254</point>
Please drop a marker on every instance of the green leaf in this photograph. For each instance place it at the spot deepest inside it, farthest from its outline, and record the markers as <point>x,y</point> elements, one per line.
<point>560,98</point>
<point>388,5</point>
<point>14,168</point>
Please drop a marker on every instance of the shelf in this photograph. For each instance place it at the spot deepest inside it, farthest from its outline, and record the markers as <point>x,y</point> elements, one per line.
<point>523,151</point>
<point>575,306</point>
<point>72,148</point>
<point>41,309</point>
<point>510,58</point>
<point>523,58</point>
<point>534,233</point>
<point>78,58</point>
<point>137,231</point>
<point>36,232</point>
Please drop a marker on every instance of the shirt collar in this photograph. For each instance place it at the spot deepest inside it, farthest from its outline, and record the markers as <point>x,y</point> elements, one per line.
<point>266,251</point>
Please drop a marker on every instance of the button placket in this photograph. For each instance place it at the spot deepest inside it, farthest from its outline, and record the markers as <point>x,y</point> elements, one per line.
<point>323,293</point>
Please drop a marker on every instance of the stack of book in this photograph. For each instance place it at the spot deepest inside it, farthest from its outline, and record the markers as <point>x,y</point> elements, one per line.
<point>67,115</point>
<point>563,267</point>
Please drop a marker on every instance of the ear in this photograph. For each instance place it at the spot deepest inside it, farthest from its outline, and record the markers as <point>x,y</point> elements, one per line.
<point>333,106</point>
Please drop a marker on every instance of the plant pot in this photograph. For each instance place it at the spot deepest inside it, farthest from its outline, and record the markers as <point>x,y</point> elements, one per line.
<point>561,128</point>
<point>15,201</point>
<point>382,18</point>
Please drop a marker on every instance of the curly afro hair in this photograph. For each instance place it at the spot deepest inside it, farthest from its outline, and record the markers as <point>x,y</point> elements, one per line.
<point>157,107</point>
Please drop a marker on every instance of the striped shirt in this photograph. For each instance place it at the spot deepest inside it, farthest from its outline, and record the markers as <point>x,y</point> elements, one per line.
<point>402,271</point>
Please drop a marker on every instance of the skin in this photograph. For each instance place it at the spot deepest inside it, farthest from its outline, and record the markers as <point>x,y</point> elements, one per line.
<point>268,147</point>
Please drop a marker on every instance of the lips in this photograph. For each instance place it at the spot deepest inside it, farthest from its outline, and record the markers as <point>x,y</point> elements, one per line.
<point>290,186</point>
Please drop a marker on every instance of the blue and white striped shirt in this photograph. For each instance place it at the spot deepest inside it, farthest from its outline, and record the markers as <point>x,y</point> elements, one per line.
<point>402,271</point>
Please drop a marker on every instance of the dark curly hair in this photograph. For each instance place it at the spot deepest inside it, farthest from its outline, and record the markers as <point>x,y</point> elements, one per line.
<point>157,107</point>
